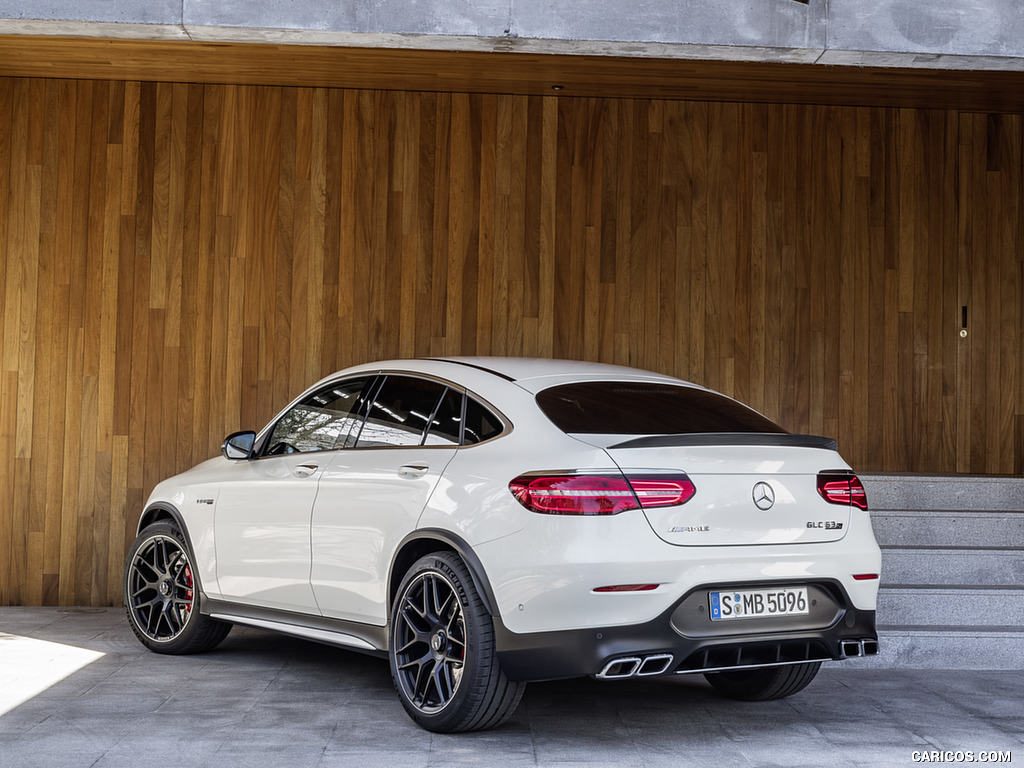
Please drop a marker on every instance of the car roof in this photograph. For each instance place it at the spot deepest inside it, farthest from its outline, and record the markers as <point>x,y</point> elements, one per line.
<point>529,373</point>
<point>493,379</point>
<point>534,373</point>
<point>519,368</point>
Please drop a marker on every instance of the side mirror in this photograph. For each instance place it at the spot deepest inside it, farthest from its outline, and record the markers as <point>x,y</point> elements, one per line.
<point>238,445</point>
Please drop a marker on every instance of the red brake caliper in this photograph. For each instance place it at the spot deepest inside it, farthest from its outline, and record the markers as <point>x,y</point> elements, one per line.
<point>188,583</point>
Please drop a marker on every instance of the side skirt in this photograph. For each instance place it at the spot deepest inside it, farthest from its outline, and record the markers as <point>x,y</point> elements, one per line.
<point>365,638</point>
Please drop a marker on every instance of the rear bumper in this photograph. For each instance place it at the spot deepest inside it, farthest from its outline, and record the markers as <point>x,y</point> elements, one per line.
<point>678,642</point>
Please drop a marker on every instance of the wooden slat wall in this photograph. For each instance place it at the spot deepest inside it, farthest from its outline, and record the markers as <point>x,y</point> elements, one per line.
<point>177,261</point>
<point>990,243</point>
<point>513,70</point>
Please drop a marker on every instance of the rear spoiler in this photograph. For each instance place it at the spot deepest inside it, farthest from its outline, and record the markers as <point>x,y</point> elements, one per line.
<point>730,438</point>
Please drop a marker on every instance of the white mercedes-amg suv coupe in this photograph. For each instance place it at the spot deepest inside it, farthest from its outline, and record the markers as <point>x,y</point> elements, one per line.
<point>485,522</point>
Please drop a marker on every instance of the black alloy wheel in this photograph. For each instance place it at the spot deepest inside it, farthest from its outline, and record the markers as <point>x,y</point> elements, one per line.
<point>443,658</point>
<point>161,589</point>
<point>430,652</point>
<point>161,594</point>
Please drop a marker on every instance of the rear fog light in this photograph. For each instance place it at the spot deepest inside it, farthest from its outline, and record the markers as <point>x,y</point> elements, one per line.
<point>628,588</point>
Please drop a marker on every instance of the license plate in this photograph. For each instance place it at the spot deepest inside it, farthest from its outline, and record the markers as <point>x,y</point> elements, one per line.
<point>758,603</point>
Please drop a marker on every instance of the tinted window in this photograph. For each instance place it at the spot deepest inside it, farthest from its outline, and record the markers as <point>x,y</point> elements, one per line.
<point>400,412</point>
<point>321,422</point>
<point>481,424</point>
<point>446,426</point>
<point>639,408</point>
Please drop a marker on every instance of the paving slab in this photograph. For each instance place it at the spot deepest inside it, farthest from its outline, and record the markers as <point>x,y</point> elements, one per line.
<point>77,690</point>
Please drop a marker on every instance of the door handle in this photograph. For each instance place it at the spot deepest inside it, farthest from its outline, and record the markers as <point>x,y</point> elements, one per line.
<point>412,471</point>
<point>305,470</point>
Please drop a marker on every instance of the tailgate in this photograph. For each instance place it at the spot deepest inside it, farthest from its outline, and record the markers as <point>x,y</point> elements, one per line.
<point>750,489</point>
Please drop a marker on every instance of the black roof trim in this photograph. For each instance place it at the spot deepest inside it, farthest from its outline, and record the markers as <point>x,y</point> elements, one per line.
<point>730,438</point>
<point>483,368</point>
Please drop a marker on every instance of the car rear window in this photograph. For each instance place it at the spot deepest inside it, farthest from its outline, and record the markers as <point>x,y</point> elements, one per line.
<point>642,408</point>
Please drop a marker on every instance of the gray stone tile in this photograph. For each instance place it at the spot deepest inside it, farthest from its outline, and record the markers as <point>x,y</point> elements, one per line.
<point>262,699</point>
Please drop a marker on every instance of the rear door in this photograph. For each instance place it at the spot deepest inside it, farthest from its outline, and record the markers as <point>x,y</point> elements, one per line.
<point>371,495</point>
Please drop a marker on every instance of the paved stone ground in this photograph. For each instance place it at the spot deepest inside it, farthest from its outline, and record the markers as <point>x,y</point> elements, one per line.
<point>77,690</point>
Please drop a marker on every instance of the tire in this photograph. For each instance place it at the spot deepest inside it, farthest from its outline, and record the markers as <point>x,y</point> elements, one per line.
<point>162,595</point>
<point>763,684</point>
<point>442,651</point>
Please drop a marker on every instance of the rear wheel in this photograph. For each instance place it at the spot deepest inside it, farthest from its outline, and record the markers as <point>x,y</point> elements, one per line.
<point>443,658</point>
<point>162,596</point>
<point>763,684</point>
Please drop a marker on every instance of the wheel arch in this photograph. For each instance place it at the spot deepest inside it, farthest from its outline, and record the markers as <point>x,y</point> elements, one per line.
<point>157,512</point>
<point>428,540</point>
<point>161,511</point>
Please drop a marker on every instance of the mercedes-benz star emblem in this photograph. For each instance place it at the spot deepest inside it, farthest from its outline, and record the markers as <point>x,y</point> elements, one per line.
<point>764,496</point>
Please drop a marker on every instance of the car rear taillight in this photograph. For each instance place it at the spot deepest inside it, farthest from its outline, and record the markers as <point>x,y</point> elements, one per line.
<point>574,494</point>
<point>842,488</point>
<point>661,490</point>
<point>599,494</point>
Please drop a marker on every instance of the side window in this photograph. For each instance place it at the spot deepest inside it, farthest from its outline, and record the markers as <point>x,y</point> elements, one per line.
<point>400,412</point>
<point>446,426</point>
<point>481,424</point>
<point>321,422</point>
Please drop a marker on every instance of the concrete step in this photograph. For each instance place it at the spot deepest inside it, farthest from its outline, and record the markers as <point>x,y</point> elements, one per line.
<point>916,606</point>
<point>948,566</point>
<point>929,528</point>
<point>952,592</point>
<point>943,492</point>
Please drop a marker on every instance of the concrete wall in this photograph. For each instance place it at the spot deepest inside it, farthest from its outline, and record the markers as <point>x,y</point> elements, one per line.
<point>972,34</point>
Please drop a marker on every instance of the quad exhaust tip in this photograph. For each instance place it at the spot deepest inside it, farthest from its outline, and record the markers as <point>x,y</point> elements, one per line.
<point>852,648</point>
<point>659,663</point>
<point>636,666</point>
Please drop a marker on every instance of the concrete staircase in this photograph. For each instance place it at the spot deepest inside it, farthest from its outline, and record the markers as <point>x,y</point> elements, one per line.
<point>952,590</point>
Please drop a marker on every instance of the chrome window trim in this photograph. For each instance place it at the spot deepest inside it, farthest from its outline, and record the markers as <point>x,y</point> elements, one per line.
<point>376,379</point>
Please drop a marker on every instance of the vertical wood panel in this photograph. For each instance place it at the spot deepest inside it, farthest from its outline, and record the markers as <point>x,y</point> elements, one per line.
<point>990,286</point>
<point>176,261</point>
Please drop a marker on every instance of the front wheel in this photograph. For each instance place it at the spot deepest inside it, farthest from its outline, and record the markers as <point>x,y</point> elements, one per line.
<point>161,594</point>
<point>442,651</point>
<point>763,684</point>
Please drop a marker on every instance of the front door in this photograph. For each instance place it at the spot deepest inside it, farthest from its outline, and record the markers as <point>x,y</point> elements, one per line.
<point>263,515</point>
